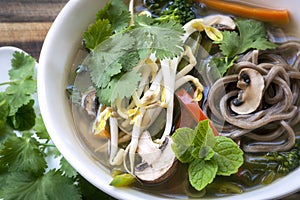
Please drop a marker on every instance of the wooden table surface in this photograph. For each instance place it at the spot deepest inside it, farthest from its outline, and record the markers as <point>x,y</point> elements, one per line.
<point>25,23</point>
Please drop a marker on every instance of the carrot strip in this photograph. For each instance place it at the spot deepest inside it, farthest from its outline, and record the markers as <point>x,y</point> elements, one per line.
<point>262,14</point>
<point>193,108</point>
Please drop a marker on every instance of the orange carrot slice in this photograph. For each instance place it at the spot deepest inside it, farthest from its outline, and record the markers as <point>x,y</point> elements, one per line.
<point>262,14</point>
<point>193,107</point>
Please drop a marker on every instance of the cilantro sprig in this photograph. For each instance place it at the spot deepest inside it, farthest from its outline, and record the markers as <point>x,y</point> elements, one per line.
<point>25,145</point>
<point>250,34</point>
<point>117,48</point>
<point>206,154</point>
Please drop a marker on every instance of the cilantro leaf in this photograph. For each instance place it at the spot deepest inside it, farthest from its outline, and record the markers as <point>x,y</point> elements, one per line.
<point>40,128</point>
<point>97,33</point>
<point>24,118</point>
<point>112,60</point>
<point>117,13</point>
<point>163,38</point>
<point>202,172</point>
<point>51,186</point>
<point>104,61</point>
<point>22,154</point>
<point>22,66</point>
<point>228,156</point>
<point>222,64</point>
<point>67,169</point>
<point>121,86</point>
<point>22,82</point>
<point>252,34</point>
<point>4,110</point>
<point>19,94</point>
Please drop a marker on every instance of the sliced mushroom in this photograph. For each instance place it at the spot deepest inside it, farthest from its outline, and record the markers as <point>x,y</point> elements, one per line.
<point>251,84</point>
<point>89,102</point>
<point>158,161</point>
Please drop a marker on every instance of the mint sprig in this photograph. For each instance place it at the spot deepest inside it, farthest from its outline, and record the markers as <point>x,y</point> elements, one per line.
<point>206,154</point>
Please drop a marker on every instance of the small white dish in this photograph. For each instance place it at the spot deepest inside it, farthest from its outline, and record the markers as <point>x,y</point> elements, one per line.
<point>6,54</point>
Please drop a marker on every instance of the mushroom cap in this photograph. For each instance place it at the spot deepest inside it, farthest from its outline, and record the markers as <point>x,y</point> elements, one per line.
<point>89,102</point>
<point>158,161</point>
<point>252,91</point>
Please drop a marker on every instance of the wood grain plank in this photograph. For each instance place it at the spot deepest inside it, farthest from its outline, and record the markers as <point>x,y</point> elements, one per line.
<point>19,11</point>
<point>28,36</point>
<point>23,32</point>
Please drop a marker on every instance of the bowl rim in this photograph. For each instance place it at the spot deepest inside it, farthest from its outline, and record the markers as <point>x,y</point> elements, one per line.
<point>67,14</point>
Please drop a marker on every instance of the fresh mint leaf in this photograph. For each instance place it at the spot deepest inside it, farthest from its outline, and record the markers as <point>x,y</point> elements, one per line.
<point>52,185</point>
<point>24,118</point>
<point>22,66</point>
<point>97,33</point>
<point>204,135</point>
<point>117,13</point>
<point>206,154</point>
<point>182,144</point>
<point>251,35</point>
<point>4,110</point>
<point>22,154</point>
<point>228,156</point>
<point>202,172</point>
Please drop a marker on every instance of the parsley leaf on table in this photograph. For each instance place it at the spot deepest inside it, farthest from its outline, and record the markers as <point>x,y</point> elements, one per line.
<point>22,154</point>
<point>22,84</point>
<point>40,128</point>
<point>25,145</point>
<point>4,110</point>
<point>52,185</point>
<point>24,118</point>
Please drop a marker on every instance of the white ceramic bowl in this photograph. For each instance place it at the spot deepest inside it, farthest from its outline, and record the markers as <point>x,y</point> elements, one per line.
<point>58,54</point>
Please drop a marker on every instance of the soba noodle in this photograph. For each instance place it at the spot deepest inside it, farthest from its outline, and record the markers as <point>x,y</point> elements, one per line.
<point>269,127</point>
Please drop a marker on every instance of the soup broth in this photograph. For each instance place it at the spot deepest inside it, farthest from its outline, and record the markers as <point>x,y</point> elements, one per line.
<point>261,164</point>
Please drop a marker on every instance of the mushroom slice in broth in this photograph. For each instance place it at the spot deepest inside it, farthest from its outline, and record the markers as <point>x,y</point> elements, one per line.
<point>158,161</point>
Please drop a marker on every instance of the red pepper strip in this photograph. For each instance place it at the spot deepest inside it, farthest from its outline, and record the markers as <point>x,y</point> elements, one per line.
<point>262,14</point>
<point>193,107</point>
